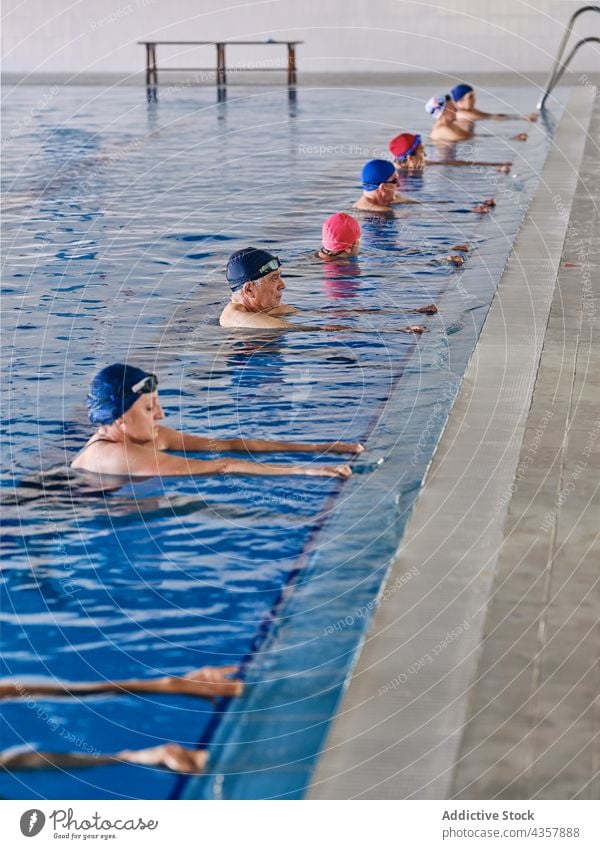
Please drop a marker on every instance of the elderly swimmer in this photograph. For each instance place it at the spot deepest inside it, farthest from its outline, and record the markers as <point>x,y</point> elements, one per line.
<point>464,100</point>
<point>380,187</point>
<point>409,155</point>
<point>447,127</point>
<point>257,288</point>
<point>340,237</point>
<point>123,403</point>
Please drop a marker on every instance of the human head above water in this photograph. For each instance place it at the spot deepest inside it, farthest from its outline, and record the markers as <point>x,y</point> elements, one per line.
<point>341,233</point>
<point>249,264</point>
<point>407,150</point>
<point>375,173</point>
<point>255,279</point>
<point>437,105</point>
<point>463,95</point>
<point>115,389</point>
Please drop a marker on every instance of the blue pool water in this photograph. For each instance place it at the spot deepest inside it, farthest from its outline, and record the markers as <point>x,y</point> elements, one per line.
<point>120,215</point>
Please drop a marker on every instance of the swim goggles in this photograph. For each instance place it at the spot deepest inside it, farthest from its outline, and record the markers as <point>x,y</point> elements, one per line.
<point>272,265</point>
<point>146,384</point>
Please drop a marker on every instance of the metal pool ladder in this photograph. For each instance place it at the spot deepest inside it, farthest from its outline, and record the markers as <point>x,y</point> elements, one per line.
<point>560,67</point>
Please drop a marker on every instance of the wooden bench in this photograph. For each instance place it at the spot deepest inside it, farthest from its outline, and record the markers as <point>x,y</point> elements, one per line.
<point>221,68</point>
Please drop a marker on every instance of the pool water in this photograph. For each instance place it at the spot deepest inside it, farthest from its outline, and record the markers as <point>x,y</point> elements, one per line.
<point>120,215</point>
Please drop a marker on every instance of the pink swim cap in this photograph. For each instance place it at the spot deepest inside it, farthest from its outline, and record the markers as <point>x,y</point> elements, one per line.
<point>340,232</point>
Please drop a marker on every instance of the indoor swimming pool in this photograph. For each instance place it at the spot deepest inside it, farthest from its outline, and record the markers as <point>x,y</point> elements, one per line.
<point>120,214</point>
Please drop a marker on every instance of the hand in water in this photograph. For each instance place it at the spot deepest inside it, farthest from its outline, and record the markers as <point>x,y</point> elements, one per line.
<point>339,471</point>
<point>211,681</point>
<point>430,309</point>
<point>413,328</point>
<point>169,755</point>
<point>347,448</point>
<point>504,168</point>
<point>521,137</point>
<point>533,117</point>
<point>463,247</point>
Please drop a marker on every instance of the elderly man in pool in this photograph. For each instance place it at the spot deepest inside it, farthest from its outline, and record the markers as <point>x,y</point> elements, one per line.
<point>257,287</point>
<point>123,403</point>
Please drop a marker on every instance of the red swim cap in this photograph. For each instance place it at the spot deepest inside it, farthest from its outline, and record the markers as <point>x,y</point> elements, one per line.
<point>340,232</point>
<point>404,144</point>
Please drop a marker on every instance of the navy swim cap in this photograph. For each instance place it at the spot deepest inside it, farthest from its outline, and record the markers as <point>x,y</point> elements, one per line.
<point>459,91</point>
<point>115,389</point>
<point>375,172</point>
<point>249,264</point>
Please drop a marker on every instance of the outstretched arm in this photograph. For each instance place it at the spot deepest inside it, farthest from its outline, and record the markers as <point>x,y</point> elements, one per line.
<point>151,461</point>
<point>208,682</point>
<point>503,165</point>
<point>261,321</point>
<point>174,440</point>
<point>169,755</point>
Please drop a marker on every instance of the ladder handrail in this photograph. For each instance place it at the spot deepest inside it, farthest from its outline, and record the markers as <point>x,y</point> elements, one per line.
<point>555,74</point>
<point>565,64</point>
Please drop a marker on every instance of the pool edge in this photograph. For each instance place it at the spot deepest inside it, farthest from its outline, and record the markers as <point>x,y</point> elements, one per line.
<point>399,729</point>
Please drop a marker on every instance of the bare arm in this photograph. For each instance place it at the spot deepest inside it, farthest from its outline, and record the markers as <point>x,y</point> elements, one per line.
<point>174,440</point>
<point>208,682</point>
<point>468,162</point>
<point>150,462</point>
<point>405,199</point>
<point>169,755</point>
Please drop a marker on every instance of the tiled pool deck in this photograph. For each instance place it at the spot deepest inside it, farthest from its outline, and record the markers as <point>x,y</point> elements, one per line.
<point>480,679</point>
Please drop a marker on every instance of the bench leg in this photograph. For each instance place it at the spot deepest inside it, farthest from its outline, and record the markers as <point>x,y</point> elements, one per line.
<point>221,69</point>
<point>291,64</point>
<point>153,73</point>
<point>147,64</point>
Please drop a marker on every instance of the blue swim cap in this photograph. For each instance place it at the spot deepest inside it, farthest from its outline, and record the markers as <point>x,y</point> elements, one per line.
<point>115,389</point>
<point>459,91</point>
<point>375,172</point>
<point>249,264</point>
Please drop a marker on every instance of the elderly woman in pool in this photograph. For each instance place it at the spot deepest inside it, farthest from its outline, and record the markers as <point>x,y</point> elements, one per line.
<point>123,402</point>
<point>409,155</point>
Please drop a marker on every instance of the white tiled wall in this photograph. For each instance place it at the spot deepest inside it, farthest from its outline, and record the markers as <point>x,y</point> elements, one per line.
<point>447,36</point>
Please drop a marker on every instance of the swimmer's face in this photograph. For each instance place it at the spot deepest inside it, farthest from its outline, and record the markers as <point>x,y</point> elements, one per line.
<point>467,102</point>
<point>265,294</point>
<point>139,422</point>
<point>416,161</point>
<point>355,249</point>
<point>388,189</point>
<point>449,113</point>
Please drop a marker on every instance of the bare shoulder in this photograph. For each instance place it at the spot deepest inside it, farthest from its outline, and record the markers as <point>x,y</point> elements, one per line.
<point>372,207</point>
<point>232,317</point>
<point>102,458</point>
<point>228,316</point>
